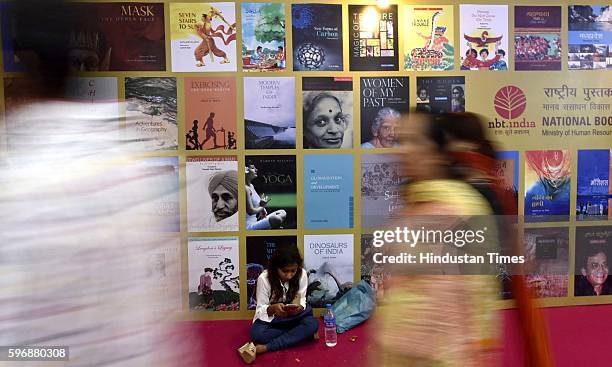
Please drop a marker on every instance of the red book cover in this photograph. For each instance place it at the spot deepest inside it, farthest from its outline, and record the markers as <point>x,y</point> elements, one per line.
<point>118,37</point>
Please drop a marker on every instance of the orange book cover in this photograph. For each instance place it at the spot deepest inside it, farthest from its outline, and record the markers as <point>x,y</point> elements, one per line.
<point>210,113</point>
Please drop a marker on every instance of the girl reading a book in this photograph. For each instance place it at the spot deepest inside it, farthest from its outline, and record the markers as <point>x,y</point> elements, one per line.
<point>282,318</point>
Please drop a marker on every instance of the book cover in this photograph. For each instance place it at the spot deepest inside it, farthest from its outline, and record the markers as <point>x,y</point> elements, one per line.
<point>96,97</point>
<point>135,33</point>
<point>382,99</point>
<point>484,37</point>
<point>546,258</point>
<point>97,92</point>
<point>259,250</point>
<point>328,191</point>
<point>105,37</point>
<point>547,185</point>
<point>537,37</point>
<point>271,182</point>
<point>212,194</point>
<point>507,171</point>
<point>214,274</point>
<point>269,113</point>
<point>371,272</point>
<point>594,189</point>
<point>156,201</point>
<point>440,94</point>
<point>381,187</point>
<point>203,37</point>
<point>151,113</point>
<point>590,37</point>
<point>210,113</point>
<point>328,260</point>
<point>327,112</point>
<point>430,41</point>
<point>163,274</point>
<point>263,37</point>
<point>317,37</point>
<point>373,38</point>
<point>11,61</point>
<point>593,251</point>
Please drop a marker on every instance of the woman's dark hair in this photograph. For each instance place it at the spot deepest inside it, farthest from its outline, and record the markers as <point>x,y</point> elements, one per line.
<point>467,126</point>
<point>282,257</point>
<point>435,132</point>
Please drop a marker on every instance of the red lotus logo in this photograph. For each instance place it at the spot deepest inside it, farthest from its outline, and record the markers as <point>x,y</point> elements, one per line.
<point>510,102</point>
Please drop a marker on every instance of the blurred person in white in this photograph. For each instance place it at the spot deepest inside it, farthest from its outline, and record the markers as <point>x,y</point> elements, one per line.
<point>74,245</point>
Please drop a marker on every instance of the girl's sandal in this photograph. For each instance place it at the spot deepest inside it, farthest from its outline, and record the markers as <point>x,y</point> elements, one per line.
<point>247,352</point>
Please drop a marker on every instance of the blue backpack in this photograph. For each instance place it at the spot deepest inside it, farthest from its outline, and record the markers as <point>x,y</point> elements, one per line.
<point>354,307</point>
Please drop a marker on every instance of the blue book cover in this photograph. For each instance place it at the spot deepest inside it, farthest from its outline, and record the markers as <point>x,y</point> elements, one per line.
<point>589,37</point>
<point>328,191</point>
<point>11,61</point>
<point>317,37</point>
<point>593,189</point>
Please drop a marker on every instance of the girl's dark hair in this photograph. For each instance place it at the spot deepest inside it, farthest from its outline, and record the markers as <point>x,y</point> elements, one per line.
<point>282,257</point>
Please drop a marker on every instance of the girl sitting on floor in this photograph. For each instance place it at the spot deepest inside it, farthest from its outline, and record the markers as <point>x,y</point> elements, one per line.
<point>282,318</point>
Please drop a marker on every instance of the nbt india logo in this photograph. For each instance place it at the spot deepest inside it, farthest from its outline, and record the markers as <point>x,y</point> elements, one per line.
<point>510,103</point>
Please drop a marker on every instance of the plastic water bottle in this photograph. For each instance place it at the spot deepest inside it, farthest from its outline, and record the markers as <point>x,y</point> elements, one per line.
<point>329,319</point>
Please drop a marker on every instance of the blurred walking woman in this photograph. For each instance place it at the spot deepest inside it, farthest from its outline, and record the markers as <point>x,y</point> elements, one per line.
<point>436,320</point>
